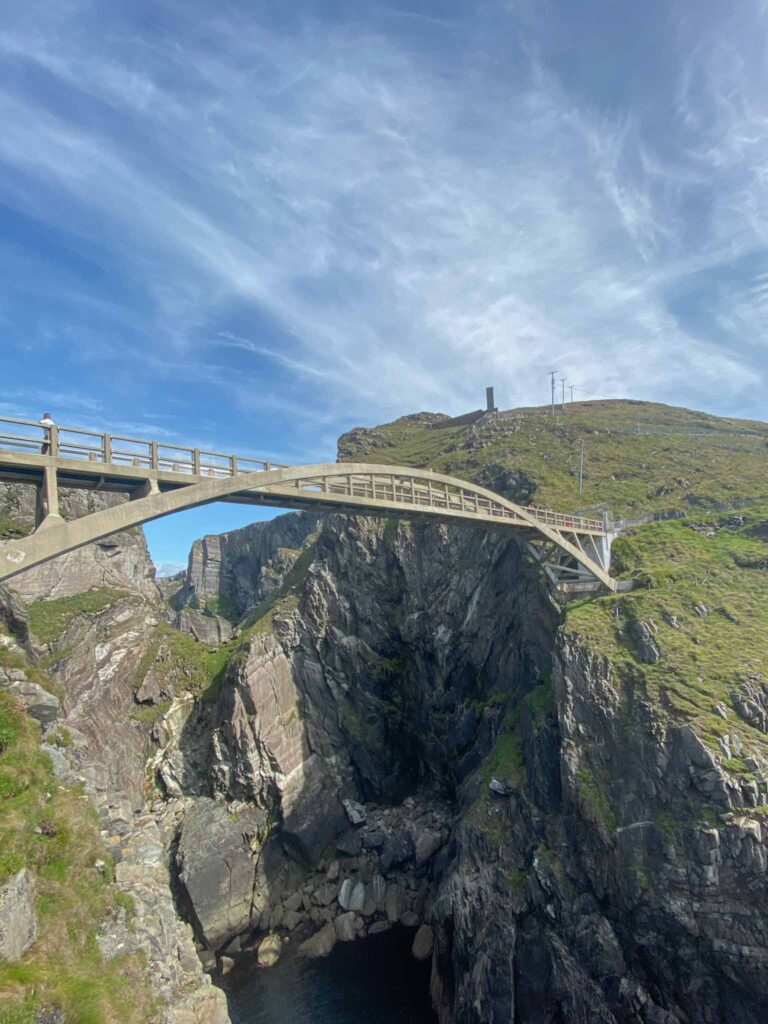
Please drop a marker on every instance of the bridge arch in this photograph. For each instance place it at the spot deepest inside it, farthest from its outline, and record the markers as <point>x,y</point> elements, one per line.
<point>360,488</point>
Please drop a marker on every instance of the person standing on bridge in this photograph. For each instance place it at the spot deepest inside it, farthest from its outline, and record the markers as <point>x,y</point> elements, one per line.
<point>46,423</point>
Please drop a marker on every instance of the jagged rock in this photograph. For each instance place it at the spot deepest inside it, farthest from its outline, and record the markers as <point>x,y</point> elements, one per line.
<point>423,942</point>
<point>333,870</point>
<point>216,867</point>
<point>352,895</point>
<point>260,731</point>
<point>319,944</point>
<point>644,636</point>
<point>350,844</point>
<point>36,701</point>
<point>409,919</point>
<point>269,949</point>
<point>325,894</point>
<point>347,926</point>
<point>393,902</point>
<point>355,812</point>
<point>373,840</point>
<point>18,919</point>
<point>397,849</point>
<point>226,963</point>
<point>378,927</point>
<point>427,845</point>
<point>292,919</point>
<point>293,902</point>
<point>207,960</point>
<point>207,629</point>
<point>499,788</point>
<point>118,562</point>
<point>243,567</point>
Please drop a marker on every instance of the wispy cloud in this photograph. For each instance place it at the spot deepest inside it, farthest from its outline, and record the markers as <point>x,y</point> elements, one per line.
<point>410,228</point>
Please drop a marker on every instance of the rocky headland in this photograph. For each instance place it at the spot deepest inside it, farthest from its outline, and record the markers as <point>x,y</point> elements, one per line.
<point>334,724</point>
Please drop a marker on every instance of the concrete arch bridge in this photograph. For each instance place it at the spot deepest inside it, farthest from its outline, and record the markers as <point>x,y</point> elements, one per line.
<point>159,479</point>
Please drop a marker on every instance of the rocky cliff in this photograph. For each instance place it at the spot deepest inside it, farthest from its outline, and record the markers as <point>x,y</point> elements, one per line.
<point>229,573</point>
<point>121,561</point>
<point>565,803</point>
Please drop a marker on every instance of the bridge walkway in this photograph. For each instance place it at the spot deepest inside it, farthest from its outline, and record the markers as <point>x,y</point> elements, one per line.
<point>161,478</point>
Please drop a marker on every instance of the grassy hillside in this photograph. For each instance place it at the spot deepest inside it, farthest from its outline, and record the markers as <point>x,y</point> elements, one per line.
<point>701,580</point>
<point>53,831</point>
<point>638,456</point>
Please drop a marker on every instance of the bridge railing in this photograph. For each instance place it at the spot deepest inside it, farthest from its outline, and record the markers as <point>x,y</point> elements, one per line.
<point>122,450</point>
<point>78,444</point>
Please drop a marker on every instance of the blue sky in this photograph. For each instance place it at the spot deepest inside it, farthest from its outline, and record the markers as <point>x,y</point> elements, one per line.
<point>252,226</point>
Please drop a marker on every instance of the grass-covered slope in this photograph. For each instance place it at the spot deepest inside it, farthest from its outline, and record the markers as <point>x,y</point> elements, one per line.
<point>52,830</point>
<point>638,456</point>
<point>701,580</point>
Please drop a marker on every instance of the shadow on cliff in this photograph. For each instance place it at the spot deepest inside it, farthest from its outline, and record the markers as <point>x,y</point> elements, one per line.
<point>389,669</point>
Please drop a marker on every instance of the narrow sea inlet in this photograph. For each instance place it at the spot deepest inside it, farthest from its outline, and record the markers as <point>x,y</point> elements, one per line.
<point>370,981</point>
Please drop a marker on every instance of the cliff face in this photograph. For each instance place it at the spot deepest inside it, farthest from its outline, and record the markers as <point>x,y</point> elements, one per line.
<point>603,863</point>
<point>229,573</point>
<point>568,803</point>
<point>121,562</point>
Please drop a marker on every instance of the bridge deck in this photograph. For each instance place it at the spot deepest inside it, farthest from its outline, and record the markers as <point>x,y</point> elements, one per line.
<point>85,458</point>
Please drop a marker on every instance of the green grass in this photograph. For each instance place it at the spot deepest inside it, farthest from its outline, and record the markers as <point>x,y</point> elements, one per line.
<point>15,659</point>
<point>681,461</point>
<point>285,598</point>
<point>705,658</point>
<point>706,462</point>
<point>11,527</point>
<point>224,607</point>
<point>151,713</point>
<point>593,793</point>
<point>180,662</point>
<point>49,620</point>
<point>54,832</point>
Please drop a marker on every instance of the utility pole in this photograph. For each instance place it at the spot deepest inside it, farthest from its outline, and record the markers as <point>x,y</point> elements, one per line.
<point>571,387</point>
<point>581,468</point>
<point>552,381</point>
<point>562,381</point>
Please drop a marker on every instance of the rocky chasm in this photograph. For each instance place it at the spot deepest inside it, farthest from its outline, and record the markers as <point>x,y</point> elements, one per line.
<point>332,725</point>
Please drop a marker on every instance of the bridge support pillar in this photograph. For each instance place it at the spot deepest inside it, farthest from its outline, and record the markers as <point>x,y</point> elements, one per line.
<point>145,490</point>
<point>47,508</point>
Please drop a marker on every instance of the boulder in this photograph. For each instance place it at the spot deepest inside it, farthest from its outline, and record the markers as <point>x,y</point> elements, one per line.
<point>319,944</point>
<point>423,942</point>
<point>18,921</point>
<point>643,634</point>
<point>216,868</point>
<point>332,873</point>
<point>347,926</point>
<point>355,812</point>
<point>397,849</point>
<point>268,952</point>
<point>373,840</point>
<point>325,894</point>
<point>351,895</point>
<point>393,902</point>
<point>36,701</point>
<point>350,844</point>
<point>427,845</point>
